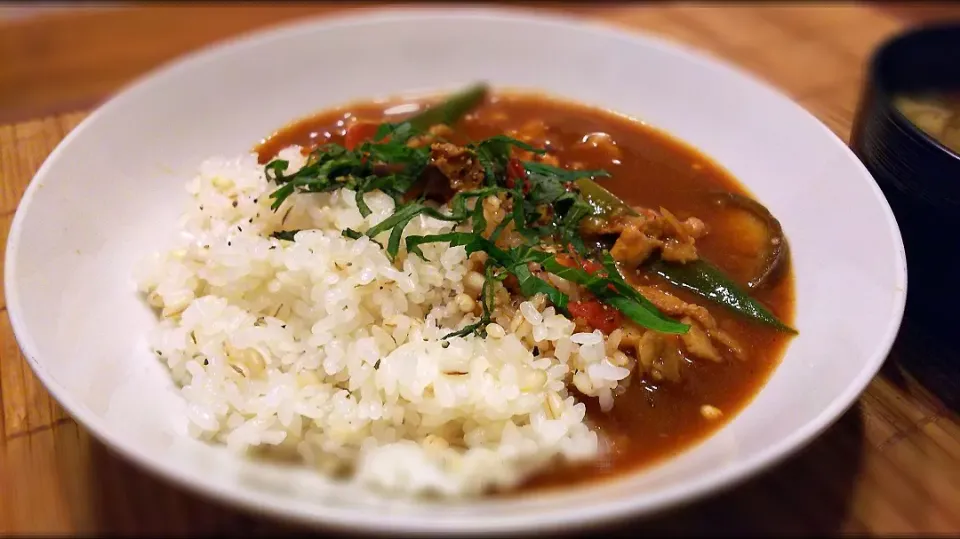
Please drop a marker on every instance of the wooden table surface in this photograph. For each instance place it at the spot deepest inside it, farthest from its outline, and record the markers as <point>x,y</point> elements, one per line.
<point>891,464</point>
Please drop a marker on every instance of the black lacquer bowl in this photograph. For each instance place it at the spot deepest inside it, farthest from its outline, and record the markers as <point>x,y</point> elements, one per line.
<point>919,176</point>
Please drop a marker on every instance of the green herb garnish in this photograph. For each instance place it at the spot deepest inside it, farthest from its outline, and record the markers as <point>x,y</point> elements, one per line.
<point>491,278</point>
<point>286,235</point>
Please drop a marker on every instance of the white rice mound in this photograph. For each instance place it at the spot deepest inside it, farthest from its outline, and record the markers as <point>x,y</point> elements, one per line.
<point>324,350</point>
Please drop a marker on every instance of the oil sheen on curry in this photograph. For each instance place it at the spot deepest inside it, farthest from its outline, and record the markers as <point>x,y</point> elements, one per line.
<point>710,264</point>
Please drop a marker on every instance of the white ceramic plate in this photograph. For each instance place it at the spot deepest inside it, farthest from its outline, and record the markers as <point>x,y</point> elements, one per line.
<point>112,191</point>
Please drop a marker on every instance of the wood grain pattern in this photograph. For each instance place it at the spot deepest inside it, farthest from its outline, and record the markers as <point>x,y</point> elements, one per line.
<point>890,465</point>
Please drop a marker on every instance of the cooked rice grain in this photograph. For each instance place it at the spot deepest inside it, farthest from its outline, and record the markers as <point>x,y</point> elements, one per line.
<point>322,348</point>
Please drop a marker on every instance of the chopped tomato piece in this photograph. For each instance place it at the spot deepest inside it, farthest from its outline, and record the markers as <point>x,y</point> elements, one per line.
<point>596,315</point>
<point>569,261</point>
<point>359,133</point>
<point>515,173</point>
<point>591,267</point>
<point>566,260</point>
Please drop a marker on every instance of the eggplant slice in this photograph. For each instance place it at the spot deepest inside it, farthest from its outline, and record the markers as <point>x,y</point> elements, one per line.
<point>775,255</point>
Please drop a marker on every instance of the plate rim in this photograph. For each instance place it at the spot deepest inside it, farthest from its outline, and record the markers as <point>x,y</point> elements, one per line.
<point>671,496</point>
